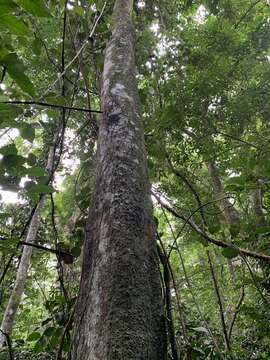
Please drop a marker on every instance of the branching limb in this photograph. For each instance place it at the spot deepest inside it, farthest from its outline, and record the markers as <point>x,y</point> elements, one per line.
<point>199,231</point>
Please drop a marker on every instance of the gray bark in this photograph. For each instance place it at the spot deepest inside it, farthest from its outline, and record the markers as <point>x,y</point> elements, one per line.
<point>21,275</point>
<point>119,311</point>
<point>256,202</point>
<point>231,215</point>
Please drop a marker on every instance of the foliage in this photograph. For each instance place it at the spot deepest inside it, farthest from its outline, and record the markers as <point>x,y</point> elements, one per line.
<point>203,79</point>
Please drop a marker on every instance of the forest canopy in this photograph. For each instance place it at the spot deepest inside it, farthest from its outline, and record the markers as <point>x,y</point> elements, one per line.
<point>134,155</point>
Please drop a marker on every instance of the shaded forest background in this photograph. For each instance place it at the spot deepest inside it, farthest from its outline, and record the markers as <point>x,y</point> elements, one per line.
<point>203,75</point>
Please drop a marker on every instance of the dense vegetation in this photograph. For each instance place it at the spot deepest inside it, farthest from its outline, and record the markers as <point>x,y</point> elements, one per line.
<point>203,75</point>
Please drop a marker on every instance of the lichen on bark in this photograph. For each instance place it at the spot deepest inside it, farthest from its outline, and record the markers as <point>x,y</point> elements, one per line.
<point>119,311</point>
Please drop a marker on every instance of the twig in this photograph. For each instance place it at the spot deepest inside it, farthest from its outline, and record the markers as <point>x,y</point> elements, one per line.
<point>58,251</point>
<point>79,52</point>
<point>246,13</point>
<point>167,293</point>
<point>67,325</point>
<point>221,312</point>
<point>237,309</point>
<point>60,272</point>
<point>191,288</point>
<point>40,103</point>
<point>255,282</point>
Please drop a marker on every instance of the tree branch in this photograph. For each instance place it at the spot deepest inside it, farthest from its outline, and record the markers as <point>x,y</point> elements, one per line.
<point>40,103</point>
<point>220,243</point>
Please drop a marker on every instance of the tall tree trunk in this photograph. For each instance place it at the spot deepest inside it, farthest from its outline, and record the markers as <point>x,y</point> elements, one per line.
<point>21,275</point>
<point>119,311</point>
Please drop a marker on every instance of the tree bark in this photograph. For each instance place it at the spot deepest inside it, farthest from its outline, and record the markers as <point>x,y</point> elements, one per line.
<point>21,275</point>
<point>119,312</point>
<point>256,202</point>
<point>231,215</point>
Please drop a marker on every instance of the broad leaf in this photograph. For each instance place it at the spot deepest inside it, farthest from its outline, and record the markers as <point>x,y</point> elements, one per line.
<point>8,150</point>
<point>35,7</point>
<point>16,70</point>
<point>34,336</point>
<point>28,133</point>
<point>41,189</point>
<point>32,159</point>
<point>7,6</point>
<point>230,252</point>
<point>36,171</point>
<point>15,26</point>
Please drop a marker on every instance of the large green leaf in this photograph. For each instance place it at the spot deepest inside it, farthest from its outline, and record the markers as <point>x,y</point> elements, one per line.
<point>34,336</point>
<point>8,114</point>
<point>230,252</point>
<point>36,171</point>
<point>14,25</point>
<point>7,6</point>
<point>12,161</point>
<point>28,133</point>
<point>41,189</point>
<point>8,150</point>
<point>16,68</point>
<point>35,7</point>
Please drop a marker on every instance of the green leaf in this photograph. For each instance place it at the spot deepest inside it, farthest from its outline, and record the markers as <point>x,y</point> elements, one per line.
<point>15,68</point>
<point>37,46</point>
<point>8,114</point>
<point>8,150</point>
<point>10,161</point>
<point>8,245</point>
<point>54,341</point>
<point>28,133</point>
<point>35,7</point>
<point>15,26</point>
<point>76,251</point>
<point>49,331</point>
<point>7,6</point>
<point>34,336</point>
<point>36,171</point>
<point>230,252</point>
<point>10,183</point>
<point>263,230</point>
<point>32,159</point>
<point>41,189</point>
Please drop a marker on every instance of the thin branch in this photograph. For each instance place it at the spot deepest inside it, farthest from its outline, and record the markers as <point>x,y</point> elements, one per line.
<point>256,282</point>
<point>78,52</point>
<point>221,312</point>
<point>190,186</point>
<point>191,288</point>
<point>237,139</point>
<point>40,103</point>
<point>223,244</point>
<point>246,13</point>
<point>168,303</point>
<point>237,309</point>
<point>66,328</point>
<point>61,271</point>
<point>57,251</point>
